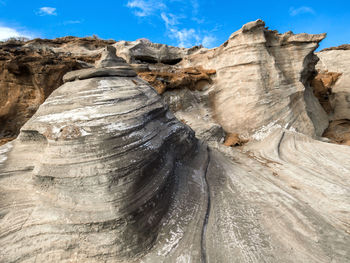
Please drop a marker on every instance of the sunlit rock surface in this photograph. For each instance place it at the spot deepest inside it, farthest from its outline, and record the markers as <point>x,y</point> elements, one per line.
<point>262,81</point>
<point>93,173</point>
<point>334,72</point>
<point>104,172</point>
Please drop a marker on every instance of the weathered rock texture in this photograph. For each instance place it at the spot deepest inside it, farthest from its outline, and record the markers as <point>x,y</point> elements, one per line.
<point>262,81</point>
<point>144,51</point>
<point>104,171</point>
<point>334,79</point>
<point>92,174</point>
<point>175,78</point>
<point>30,71</point>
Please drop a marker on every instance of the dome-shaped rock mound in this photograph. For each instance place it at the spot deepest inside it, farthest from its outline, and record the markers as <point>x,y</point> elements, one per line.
<point>91,175</point>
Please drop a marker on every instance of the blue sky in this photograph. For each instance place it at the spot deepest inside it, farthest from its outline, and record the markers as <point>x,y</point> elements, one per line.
<point>173,22</point>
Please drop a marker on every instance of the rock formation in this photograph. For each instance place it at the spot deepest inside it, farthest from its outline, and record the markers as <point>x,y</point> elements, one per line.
<point>95,170</point>
<point>108,170</point>
<point>334,77</point>
<point>30,71</point>
<point>262,81</point>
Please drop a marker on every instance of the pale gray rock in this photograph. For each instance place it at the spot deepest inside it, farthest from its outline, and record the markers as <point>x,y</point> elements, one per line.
<point>92,174</point>
<point>144,51</point>
<point>193,108</point>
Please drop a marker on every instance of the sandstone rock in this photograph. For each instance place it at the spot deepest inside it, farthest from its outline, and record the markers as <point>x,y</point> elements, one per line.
<point>262,81</point>
<point>27,78</point>
<point>144,51</point>
<point>322,86</point>
<point>189,78</point>
<point>92,174</point>
<point>104,172</point>
<point>341,47</point>
<point>233,139</point>
<point>334,73</point>
<point>31,70</point>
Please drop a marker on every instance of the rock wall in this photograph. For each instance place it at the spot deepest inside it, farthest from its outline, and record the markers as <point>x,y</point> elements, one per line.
<point>262,81</point>
<point>334,75</point>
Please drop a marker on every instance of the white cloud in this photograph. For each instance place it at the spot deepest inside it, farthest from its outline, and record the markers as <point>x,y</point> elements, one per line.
<point>170,19</point>
<point>209,41</point>
<point>47,11</point>
<point>300,10</point>
<point>7,32</point>
<point>185,37</point>
<point>146,7</point>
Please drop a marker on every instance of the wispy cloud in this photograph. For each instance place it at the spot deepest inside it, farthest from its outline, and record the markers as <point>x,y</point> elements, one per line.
<point>185,37</point>
<point>145,7</point>
<point>8,32</point>
<point>72,22</point>
<point>47,11</point>
<point>301,10</point>
<point>170,19</point>
<point>209,41</point>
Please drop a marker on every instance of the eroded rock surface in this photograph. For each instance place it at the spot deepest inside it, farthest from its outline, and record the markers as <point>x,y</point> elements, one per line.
<point>93,173</point>
<point>104,171</point>
<point>30,71</point>
<point>262,81</point>
<point>334,73</point>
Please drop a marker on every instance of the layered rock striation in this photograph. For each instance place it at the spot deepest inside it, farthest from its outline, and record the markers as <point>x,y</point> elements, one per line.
<point>107,170</point>
<point>334,77</point>
<point>262,81</point>
<point>30,71</point>
<point>92,174</point>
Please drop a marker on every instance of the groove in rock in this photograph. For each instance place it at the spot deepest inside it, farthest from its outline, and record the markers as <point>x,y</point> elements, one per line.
<point>207,213</point>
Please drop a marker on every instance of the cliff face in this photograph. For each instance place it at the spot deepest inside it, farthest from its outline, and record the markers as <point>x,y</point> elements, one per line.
<point>333,79</point>
<point>108,170</point>
<point>262,81</point>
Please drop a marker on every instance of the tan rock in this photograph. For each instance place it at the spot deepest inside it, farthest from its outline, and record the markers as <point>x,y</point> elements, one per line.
<point>336,61</point>
<point>262,81</point>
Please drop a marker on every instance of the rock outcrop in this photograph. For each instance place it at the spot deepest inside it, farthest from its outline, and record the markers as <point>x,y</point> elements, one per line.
<point>175,78</point>
<point>262,81</point>
<point>108,170</point>
<point>30,71</point>
<point>93,173</point>
<point>144,51</point>
<point>334,78</point>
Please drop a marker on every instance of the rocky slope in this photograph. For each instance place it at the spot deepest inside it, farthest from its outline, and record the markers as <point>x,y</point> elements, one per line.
<point>108,171</point>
